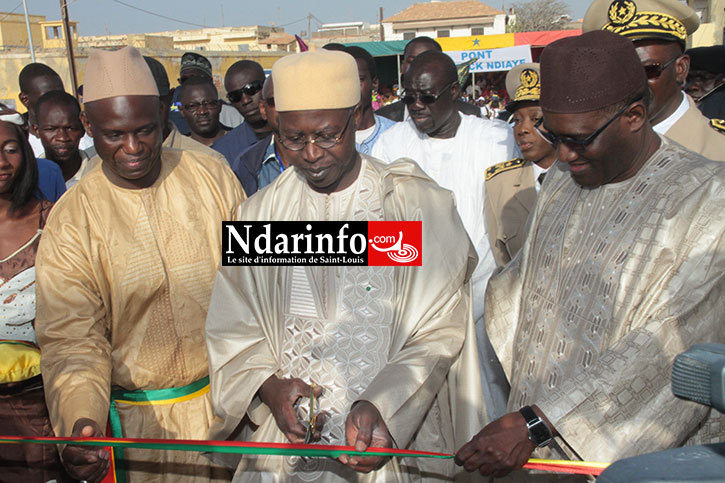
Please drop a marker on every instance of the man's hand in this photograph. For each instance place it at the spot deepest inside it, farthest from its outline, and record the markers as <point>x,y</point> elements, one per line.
<point>499,448</point>
<point>280,395</point>
<point>87,463</point>
<point>365,427</point>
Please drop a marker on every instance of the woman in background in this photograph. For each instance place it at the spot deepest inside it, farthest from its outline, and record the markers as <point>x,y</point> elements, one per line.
<point>22,403</point>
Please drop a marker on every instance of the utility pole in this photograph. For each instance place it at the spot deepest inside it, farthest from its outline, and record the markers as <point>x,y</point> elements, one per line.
<point>30,34</point>
<point>309,25</point>
<point>222,7</point>
<point>69,47</point>
<point>382,32</point>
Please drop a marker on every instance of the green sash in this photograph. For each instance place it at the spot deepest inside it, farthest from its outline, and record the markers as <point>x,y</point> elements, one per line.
<point>145,398</point>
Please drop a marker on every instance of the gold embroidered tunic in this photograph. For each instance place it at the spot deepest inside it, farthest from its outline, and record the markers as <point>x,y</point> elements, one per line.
<point>124,279</point>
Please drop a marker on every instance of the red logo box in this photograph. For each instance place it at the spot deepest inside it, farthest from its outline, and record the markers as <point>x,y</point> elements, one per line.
<point>395,243</point>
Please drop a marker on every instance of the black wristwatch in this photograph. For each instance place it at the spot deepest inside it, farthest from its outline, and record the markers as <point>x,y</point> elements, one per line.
<point>539,432</point>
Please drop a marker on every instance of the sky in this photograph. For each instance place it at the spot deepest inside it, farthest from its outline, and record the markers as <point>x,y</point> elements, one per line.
<point>100,17</point>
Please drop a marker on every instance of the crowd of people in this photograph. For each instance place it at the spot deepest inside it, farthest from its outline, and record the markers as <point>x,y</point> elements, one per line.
<point>569,252</point>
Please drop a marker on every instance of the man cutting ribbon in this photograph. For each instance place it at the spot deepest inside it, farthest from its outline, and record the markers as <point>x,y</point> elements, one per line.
<point>391,349</point>
<point>124,273</point>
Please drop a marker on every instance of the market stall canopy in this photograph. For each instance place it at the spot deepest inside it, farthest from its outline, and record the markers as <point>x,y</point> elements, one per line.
<point>382,49</point>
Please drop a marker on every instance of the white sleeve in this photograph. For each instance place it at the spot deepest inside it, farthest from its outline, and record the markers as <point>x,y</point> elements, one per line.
<point>502,136</point>
<point>381,149</point>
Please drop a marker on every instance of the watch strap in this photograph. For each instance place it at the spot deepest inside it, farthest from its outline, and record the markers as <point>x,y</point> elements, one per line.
<point>539,432</point>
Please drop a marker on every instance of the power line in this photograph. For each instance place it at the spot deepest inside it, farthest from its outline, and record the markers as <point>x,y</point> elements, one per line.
<point>300,20</point>
<point>320,21</point>
<point>290,23</point>
<point>69,3</point>
<point>19,4</point>
<point>157,14</point>
<point>11,11</point>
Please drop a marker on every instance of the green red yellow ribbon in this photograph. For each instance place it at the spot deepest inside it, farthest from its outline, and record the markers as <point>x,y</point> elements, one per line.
<point>284,449</point>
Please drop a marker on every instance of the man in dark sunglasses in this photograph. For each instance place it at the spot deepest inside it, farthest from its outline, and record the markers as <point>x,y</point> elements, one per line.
<point>398,111</point>
<point>262,162</point>
<point>243,82</point>
<point>455,150</point>
<point>706,80</point>
<point>659,30</point>
<point>617,275</point>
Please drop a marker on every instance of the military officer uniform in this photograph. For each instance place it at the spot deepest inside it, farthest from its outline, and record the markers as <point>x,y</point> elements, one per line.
<point>511,186</point>
<point>698,133</point>
<point>667,21</point>
<point>510,197</point>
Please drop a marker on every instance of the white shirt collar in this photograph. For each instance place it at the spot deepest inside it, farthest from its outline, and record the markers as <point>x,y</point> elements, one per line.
<point>82,170</point>
<point>664,126</point>
<point>537,172</point>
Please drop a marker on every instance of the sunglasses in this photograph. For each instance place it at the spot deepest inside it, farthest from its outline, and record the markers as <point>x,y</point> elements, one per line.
<point>556,139</point>
<point>427,99</point>
<point>249,89</point>
<point>653,71</point>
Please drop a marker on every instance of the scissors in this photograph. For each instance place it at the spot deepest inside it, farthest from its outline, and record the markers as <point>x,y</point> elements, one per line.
<point>312,422</point>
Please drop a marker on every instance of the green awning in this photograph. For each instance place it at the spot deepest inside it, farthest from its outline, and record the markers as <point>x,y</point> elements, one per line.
<point>382,49</point>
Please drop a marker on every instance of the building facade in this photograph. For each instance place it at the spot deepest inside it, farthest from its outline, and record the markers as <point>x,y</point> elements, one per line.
<point>14,32</point>
<point>712,22</point>
<point>224,39</point>
<point>437,19</point>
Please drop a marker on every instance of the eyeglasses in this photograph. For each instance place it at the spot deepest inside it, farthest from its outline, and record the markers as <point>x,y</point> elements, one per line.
<point>248,89</point>
<point>197,106</point>
<point>322,141</point>
<point>410,99</point>
<point>653,71</point>
<point>556,139</point>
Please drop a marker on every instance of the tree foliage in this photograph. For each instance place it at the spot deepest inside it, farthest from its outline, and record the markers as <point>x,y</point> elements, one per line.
<point>538,15</point>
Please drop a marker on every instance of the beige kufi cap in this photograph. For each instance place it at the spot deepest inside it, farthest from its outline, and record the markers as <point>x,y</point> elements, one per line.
<point>642,19</point>
<point>113,73</point>
<point>322,79</point>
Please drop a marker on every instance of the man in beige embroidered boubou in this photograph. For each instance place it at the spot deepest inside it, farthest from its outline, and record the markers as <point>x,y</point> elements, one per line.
<point>391,350</point>
<point>622,269</point>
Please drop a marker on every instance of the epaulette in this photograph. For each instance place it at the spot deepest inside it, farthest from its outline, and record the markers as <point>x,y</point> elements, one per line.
<point>718,125</point>
<point>505,166</point>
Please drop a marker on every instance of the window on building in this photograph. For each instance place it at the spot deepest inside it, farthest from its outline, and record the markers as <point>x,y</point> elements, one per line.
<point>53,32</point>
<point>702,10</point>
<point>704,14</point>
<point>443,33</point>
<point>476,30</point>
<point>408,35</point>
